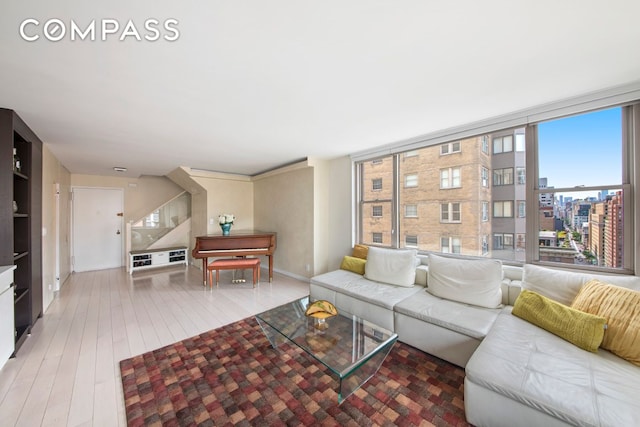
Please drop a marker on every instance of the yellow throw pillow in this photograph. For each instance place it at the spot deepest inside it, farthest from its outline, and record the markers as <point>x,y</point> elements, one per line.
<point>621,307</point>
<point>353,264</point>
<point>579,328</point>
<point>360,251</point>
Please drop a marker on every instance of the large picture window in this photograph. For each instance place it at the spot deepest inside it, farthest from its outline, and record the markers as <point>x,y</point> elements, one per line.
<point>571,187</point>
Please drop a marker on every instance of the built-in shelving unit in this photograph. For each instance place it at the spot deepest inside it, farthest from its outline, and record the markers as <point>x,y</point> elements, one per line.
<point>152,258</point>
<point>21,218</point>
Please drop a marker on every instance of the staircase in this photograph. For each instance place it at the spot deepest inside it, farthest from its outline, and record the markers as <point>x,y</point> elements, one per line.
<point>168,225</point>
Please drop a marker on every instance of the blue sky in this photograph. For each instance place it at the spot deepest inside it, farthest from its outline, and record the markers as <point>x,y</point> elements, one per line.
<point>582,150</point>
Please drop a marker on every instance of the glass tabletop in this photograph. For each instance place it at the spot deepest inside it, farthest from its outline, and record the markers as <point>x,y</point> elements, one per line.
<point>351,347</point>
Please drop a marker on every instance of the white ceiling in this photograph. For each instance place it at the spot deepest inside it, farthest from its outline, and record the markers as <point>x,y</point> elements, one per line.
<point>253,84</point>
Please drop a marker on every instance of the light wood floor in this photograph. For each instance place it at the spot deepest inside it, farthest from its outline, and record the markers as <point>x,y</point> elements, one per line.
<point>67,374</point>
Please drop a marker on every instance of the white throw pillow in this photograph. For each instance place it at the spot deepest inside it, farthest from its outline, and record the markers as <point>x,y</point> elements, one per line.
<point>475,282</point>
<point>563,286</point>
<point>392,266</point>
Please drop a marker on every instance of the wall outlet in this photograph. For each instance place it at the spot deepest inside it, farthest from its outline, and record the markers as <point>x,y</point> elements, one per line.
<point>50,286</point>
<point>307,267</point>
<point>210,221</point>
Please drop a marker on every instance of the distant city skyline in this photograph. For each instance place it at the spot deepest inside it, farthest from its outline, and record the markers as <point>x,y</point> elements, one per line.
<point>584,150</point>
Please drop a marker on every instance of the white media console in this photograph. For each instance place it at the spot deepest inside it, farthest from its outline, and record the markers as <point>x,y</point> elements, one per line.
<point>152,258</point>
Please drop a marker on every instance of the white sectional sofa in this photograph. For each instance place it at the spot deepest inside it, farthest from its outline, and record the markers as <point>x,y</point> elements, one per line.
<point>517,374</point>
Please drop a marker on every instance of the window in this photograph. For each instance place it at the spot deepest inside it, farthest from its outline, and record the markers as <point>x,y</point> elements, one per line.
<point>376,184</point>
<point>375,196</point>
<point>484,142</point>
<point>411,211</point>
<point>520,142</point>
<point>503,144</point>
<point>450,178</point>
<point>450,212</point>
<point>503,176</point>
<point>588,193</point>
<point>502,241</point>
<point>576,182</point>
<point>450,147</point>
<point>503,209</point>
<point>411,180</point>
<point>450,245</point>
<point>411,241</point>
<point>484,176</point>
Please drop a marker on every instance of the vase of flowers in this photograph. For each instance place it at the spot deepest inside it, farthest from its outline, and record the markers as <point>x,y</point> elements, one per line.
<point>225,221</point>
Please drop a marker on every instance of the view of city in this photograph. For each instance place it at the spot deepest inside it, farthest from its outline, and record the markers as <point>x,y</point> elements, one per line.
<point>469,196</point>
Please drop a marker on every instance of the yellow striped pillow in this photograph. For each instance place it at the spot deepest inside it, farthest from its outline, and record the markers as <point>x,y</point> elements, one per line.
<point>621,307</point>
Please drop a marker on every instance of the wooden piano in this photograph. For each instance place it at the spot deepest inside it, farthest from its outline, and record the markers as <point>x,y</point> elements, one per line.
<point>237,244</point>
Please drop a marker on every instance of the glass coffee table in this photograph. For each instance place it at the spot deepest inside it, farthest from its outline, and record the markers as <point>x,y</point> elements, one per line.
<point>352,348</point>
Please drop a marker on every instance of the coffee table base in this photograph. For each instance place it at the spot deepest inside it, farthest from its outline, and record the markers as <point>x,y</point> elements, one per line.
<point>350,381</point>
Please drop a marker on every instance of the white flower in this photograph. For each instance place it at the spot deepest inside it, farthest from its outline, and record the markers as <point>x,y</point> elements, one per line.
<point>226,219</point>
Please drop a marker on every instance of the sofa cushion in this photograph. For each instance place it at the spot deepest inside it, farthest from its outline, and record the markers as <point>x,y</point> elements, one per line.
<point>582,329</point>
<point>391,266</point>
<point>421,275</point>
<point>353,264</point>
<point>621,308</point>
<point>563,286</point>
<point>476,282</point>
<point>352,284</point>
<point>527,364</point>
<point>469,320</point>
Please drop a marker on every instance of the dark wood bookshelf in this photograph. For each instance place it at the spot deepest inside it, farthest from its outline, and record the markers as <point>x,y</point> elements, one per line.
<point>21,229</point>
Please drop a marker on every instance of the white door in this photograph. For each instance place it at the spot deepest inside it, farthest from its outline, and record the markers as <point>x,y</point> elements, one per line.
<point>97,228</point>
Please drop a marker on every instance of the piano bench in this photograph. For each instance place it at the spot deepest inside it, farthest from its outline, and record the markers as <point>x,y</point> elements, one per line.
<point>234,264</point>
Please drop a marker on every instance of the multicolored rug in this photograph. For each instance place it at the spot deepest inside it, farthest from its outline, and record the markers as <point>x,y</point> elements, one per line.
<point>232,376</point>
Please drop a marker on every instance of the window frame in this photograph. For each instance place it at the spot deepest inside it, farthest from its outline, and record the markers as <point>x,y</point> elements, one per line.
<point>373,184</point>
<point>406,213</point>
<point>628,101</point>
<point>411,245</point>
<point>501,210</point>
<point>484,177</point>
<point>502,177</point>
<point>451,246</point>
<point>450,148</point>
<point>501,138</point>
<point>450,211</point>
<point>450,178</point>
<point>414,180</point>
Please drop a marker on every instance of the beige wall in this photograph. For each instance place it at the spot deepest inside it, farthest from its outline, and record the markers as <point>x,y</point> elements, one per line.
<point>284,204</point>
<point>226,194</point>
<point>309,205</point>
<point>339,206</point>
<point>54,173</point>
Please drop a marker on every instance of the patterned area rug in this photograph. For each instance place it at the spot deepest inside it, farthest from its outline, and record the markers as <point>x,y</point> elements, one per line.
<point>232,376</point>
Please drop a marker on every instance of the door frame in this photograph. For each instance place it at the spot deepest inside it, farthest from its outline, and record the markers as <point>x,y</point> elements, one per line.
<point>72,228</point>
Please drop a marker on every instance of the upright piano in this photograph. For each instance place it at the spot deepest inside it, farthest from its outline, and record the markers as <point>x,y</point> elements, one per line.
<point>236,244</point>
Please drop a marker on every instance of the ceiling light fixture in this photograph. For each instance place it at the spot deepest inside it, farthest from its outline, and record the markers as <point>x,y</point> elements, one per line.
<point>119,169</point>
